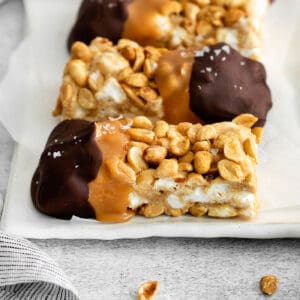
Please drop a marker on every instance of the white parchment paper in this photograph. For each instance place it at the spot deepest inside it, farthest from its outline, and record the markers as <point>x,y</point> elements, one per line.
<point>29,90</point>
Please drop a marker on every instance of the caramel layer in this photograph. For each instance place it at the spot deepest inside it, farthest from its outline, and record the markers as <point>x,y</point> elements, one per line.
<point>173,78</point>
<point>143,25</point>
<point>108,193</point>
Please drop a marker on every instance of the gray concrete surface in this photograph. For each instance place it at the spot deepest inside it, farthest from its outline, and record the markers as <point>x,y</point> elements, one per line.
<point>185,268</point>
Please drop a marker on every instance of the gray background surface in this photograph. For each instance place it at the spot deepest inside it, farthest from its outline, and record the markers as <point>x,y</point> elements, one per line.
<point>186,268</point>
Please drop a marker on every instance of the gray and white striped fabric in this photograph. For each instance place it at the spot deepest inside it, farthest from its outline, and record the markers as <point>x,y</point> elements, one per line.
<point>28,273</point>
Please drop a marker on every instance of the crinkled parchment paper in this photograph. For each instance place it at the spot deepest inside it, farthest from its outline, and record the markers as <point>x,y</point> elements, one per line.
<point>28,94</point>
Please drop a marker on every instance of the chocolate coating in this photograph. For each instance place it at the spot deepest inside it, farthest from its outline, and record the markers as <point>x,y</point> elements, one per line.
<point>225,84</point>
<point>70,160</point>
<point>103,18</point>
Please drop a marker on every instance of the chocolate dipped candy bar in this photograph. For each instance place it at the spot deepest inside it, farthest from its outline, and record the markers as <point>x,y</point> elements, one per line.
<point>113,170</point>
<point>173,24</point>
<point>209,85</point>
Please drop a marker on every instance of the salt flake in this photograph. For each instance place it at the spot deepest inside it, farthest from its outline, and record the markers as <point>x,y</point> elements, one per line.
<point>217,52</point>
<point>226,49</point>
<point>56,154</point>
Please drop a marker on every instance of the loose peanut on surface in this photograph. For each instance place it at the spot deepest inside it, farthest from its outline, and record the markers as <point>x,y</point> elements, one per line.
<point>269,284</point>
<point>147,290</point>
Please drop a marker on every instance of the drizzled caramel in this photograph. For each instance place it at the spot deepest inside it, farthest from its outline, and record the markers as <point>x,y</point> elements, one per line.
<point>173,78</point>
<point>108,193</point>
<point>145,24</point>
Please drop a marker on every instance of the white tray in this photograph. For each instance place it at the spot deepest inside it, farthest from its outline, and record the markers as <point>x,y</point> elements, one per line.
<point>32,84</point>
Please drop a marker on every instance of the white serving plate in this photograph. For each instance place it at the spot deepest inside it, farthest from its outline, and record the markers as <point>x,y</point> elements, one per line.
<point>32,84</point>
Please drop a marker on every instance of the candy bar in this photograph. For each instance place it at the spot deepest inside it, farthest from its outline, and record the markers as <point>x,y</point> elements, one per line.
<point>113,170</point>
<point>209,85</point>
<point>174,24</point>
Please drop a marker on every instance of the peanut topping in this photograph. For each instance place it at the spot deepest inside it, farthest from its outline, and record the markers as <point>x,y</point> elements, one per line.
<point>141,135</point>
<point>198,210</point>
<point>81,51</point>
<point>86,99</point>
<point>230,171</point>
<point>201,146</point>
<point>167,168</point>
<point>246,120</point>
<point>146,177</point>
<point>218,211</point>
<point>233,150</point>
<point>258,132</point>
<point>179,146</point>
<point>206,132</point>
<point>152,210</point>
<point>142,122</point>
<point>155,154</point>
<point>202,161</point>
<point>187,157</point>
<point>136,160</point>
<point>250,148</point>
<point>161,128</point>
<point>78,71</point>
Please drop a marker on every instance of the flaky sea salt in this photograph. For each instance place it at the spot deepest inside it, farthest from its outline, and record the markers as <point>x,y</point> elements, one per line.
<point>217,52</point>
<point>226,49</point>
<point>56,154</point>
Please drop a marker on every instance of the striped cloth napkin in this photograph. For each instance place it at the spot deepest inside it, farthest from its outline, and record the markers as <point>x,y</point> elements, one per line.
<point>28,273</point>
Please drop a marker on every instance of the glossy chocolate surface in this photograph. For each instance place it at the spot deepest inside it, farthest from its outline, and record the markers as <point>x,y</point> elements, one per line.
<point>105,18</point>
<point>225,84</point>
<point>71,159</point>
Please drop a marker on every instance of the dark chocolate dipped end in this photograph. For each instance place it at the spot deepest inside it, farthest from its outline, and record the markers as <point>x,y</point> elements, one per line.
<point>104,18</point>
<point>71,159</point>
<point>225,84</point>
